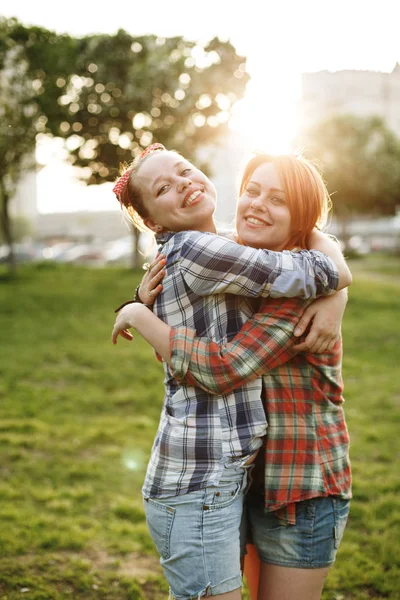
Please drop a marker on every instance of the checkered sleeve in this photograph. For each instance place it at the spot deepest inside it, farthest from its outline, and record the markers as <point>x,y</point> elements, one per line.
<point>212,264</point>
<point>265,342</point>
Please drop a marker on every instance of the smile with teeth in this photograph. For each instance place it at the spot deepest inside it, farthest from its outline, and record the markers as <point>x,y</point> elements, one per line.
<point>256,221</point>
<point>191,198</point>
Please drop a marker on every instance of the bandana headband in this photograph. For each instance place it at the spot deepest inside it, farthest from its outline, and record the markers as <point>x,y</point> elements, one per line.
<point>150,149</point>
<point>122,181</point>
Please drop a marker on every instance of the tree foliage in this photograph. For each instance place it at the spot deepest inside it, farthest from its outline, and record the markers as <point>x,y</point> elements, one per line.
<point>361,163</point>
<point>109,96</point>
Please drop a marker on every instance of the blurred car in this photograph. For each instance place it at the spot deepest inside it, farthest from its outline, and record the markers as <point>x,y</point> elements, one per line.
<point>23,253</point>
<point>56,251</point>
<point>83,254</point>
<point>119,251</point>
<point>358,246</point>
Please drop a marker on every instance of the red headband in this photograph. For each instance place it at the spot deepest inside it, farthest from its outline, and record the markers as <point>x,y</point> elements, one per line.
<point>121,182</point>
<point>150,149</point>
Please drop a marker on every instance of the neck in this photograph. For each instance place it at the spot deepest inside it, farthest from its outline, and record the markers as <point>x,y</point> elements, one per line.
<point>207,227</point>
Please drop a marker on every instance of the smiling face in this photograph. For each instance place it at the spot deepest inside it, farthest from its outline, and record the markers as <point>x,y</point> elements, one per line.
<point>263,217</point>
<point>176,195</point>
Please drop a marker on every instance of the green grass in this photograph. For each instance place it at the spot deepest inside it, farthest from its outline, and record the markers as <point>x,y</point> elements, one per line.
<point>77,420</point>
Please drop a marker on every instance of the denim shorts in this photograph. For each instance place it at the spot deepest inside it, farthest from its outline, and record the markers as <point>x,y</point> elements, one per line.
<point>198,537</point>
<point>311,543</point>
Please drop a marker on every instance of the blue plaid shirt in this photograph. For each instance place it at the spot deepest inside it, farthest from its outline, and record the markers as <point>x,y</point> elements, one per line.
<point>210,285</point>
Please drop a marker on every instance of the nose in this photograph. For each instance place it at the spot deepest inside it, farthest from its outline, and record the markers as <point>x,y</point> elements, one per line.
<point>258,203</point>
<point>183,183</point>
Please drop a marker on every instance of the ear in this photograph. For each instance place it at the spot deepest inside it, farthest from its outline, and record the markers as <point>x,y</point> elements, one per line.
<point>152,225</point>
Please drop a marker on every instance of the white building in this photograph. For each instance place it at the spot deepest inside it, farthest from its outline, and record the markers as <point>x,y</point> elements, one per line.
<point>362,93</point>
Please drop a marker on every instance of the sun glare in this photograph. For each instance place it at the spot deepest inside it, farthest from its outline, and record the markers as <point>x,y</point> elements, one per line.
<point>266,116</point>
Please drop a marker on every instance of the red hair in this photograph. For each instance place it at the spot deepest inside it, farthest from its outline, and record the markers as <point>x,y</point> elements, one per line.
<point>305,191</point>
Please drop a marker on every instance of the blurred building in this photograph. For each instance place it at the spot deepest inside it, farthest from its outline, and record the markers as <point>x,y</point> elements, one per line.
<point>362,93</point>
<point>79,225</point>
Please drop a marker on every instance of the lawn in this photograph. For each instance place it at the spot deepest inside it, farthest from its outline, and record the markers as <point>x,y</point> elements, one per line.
<point>77,419</point>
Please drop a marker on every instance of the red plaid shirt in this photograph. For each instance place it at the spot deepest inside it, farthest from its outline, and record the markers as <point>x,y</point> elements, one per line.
<point>307,442</point>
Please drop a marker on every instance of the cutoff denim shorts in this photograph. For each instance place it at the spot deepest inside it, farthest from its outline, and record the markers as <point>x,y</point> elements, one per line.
<point>311,543</point>
<point>198,537</point>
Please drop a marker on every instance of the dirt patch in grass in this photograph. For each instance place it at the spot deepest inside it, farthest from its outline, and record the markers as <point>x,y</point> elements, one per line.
<point>140,567</point>
<point>132,565</point>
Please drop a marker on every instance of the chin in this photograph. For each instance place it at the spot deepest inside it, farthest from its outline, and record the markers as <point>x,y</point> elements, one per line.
<point>254,241</point>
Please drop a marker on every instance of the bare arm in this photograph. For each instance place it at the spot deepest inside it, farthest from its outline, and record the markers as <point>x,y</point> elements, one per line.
<point>322,242</point>
<point>147,324</point>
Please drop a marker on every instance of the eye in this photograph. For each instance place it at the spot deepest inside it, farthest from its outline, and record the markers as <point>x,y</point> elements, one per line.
<point>277,200</point>
<point>185,171</point>
<point>162,189</point>
<point>251,191</point>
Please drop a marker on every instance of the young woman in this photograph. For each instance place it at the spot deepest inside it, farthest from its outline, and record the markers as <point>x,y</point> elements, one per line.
<point>196,476</point>
<point>300,500</point>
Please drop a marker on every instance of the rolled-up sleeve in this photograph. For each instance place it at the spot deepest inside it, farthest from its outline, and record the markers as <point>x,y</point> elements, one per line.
<point>321,277</point>
<point>212,264</point>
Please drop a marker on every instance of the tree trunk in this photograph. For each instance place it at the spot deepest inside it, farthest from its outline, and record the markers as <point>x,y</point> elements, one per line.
<point>344,221</point>
<point>6,229</point>
<point>136,258</point>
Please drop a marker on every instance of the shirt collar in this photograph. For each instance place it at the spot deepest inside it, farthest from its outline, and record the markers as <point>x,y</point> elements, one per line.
<point>164,237</point>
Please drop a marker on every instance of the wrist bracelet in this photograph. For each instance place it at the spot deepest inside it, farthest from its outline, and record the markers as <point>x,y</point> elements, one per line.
<point>136,297</point>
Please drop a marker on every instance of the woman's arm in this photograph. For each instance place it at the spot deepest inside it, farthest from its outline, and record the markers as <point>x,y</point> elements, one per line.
<point>265,342</point>
<point>211,264</point>
<point>325,315</point>
<point>323,318</point>
<point>147,324</point>
<point>152,279</point>
<point>324,243</point>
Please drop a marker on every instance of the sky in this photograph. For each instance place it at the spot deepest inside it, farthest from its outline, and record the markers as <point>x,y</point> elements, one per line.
<point>281,39</point>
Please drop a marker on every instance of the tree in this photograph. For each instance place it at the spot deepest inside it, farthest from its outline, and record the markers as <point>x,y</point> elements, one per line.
<point>18,112</point>
<point>110,96</point>
<point>360,158</point>
<point>124,93</point>
<point>21,228</point>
